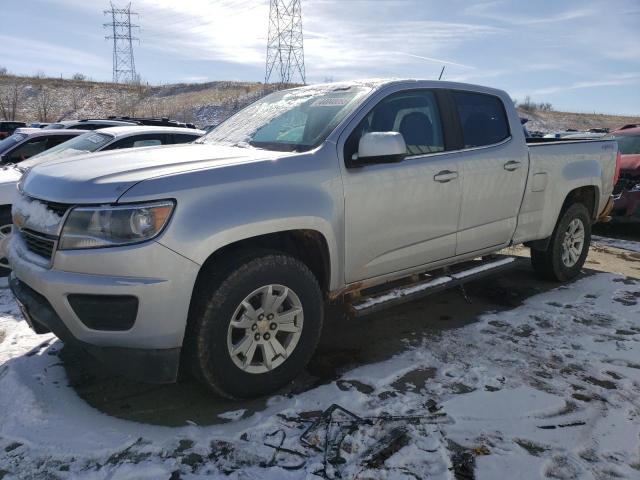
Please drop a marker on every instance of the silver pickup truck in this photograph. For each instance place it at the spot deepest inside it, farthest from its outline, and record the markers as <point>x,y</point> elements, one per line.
<point>219,256</point>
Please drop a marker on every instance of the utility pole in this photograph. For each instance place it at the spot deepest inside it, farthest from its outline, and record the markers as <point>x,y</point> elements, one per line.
<point>120,28</point>
<point>285,49</point>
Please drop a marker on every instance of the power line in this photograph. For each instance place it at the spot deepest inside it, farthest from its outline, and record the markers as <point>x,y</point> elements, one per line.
<point>285,44</point>
<point>124,67</point>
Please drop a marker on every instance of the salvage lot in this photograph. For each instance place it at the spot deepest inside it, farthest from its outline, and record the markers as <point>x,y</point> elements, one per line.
<point>516,375</point>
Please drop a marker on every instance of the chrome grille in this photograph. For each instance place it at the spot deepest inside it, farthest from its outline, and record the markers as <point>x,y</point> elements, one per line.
<point>38,243</point>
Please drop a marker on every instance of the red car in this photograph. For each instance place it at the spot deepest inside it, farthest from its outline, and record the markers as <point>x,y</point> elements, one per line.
<point>7,128</point>
<point>627,191</point>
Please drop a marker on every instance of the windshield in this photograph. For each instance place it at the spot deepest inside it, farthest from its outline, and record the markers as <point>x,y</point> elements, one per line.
<point>628,144</point>
<point>85,143</point>
<point>9,142</point>
<point>291,120</point>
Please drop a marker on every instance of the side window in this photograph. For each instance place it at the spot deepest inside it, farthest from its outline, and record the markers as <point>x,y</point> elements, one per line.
<point>28,149</point>
<point>148,140</point>
<point>57,140</point>
<point>182,138</point>
<point>414,114</point>
<point>482,118</point>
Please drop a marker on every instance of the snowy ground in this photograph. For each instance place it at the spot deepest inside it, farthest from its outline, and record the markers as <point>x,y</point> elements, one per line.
<point>617,243</point>
<point>550,388</point>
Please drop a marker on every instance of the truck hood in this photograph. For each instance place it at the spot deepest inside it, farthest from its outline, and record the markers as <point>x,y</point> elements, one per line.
<point>104,177</point>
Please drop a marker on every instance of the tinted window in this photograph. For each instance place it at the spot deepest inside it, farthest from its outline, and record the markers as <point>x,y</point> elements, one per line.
<point>27,150</point>
<point>482,118</point>
<point>147,140</point>
<point>414,114</point>
<point>628,144</point>
<point>181,138</point>
<point>11,141</point>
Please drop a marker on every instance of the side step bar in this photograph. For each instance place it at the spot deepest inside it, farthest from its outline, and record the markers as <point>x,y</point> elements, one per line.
<point>464,272</point>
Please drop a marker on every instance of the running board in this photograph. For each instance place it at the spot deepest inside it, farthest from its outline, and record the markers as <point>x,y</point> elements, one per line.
<point>465,272</point>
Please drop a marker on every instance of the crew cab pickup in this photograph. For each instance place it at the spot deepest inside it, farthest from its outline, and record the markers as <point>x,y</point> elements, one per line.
<point>219,256</point>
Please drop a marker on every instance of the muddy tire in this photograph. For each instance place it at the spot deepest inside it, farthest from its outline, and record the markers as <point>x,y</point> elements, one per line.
<point>568,248</point>
<point>5,232</point>
<point>254,325</point>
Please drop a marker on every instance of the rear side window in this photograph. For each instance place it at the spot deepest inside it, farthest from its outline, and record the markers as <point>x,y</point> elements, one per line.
<point>482,119</point>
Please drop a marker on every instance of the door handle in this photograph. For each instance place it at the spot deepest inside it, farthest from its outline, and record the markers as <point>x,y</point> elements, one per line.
<point>512,165</point>
<point>445,176</point>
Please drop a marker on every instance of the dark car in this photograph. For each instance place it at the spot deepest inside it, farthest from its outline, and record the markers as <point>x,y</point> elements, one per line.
<point>7,128</point>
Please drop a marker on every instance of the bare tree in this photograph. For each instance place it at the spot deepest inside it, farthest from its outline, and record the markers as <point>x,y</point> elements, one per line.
<point>79,77</point>
<point>3,71</point>
<point>78,94</point>
<point>10,97</point>
<point>45,103</point>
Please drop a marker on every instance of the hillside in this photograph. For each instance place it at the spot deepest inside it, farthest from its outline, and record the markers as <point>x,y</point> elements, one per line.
<point>551,121</point>
<point>49,99</point>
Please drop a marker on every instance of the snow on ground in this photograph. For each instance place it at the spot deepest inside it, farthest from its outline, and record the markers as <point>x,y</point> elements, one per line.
<point>617,243</point>
<point>548,389</point>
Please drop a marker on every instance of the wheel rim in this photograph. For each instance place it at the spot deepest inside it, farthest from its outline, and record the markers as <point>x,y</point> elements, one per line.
<point>573,243</point>
<point>265,329</point>
<point>5,234</point>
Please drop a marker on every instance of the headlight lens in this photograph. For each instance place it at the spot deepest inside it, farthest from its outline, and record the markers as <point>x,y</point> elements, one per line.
<point>112,226</point>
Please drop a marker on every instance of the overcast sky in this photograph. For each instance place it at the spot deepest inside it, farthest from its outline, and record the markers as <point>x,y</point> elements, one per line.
<point>579,55</point>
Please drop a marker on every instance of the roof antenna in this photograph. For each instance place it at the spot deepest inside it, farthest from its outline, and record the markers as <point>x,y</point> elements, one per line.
<point>441,72</point>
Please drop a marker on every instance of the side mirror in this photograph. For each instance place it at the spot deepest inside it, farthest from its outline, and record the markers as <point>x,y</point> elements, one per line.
<point>380,147</point>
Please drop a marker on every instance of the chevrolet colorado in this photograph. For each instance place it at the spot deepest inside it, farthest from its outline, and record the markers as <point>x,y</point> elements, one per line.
<point>219,255</point>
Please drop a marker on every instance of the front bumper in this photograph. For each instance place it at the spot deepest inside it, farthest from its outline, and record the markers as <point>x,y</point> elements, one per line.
<point>150,349</point>
<point>147,365</point>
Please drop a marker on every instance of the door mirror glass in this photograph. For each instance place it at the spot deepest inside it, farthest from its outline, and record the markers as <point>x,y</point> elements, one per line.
<point>380,147</point>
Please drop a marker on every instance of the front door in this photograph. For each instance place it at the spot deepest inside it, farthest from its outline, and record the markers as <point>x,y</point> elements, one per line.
<point>405,214</point>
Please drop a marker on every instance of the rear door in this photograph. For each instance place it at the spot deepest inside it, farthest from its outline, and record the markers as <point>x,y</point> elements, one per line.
<point>401,215</point>
<point>493,169</point>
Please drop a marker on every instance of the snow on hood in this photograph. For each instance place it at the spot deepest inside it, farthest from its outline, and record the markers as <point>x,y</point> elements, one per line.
<point>34,214</point>
<point>103,177</point>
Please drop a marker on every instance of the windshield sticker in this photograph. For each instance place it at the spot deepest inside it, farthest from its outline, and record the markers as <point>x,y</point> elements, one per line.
<point>95,138</point>
<point>331,102</point>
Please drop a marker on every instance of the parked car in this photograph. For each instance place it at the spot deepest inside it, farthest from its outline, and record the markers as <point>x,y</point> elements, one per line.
<point>88,124</point>
<point>113,138</point>
<point>97,123</point>
<point>27,142</point>
<point>7,128</point>
<point>220,254</point>
<point>627,201</point>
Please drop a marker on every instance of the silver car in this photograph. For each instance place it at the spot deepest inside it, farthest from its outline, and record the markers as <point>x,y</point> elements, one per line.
<point>219,255</point>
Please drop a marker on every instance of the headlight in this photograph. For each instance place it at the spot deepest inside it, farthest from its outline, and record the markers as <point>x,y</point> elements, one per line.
<point>112,226</point>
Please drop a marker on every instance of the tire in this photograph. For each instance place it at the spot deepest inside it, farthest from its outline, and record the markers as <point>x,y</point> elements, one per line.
<point>239,293</point>
<point>559,262</point>
<point>5,231</point>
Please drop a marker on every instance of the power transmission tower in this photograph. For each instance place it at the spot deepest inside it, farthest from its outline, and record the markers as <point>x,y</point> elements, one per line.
<point>120,27</point>
<point>285,50</point>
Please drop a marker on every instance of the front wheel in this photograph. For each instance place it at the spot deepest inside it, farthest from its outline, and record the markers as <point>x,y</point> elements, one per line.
<point>5,234</point>
<point>568,248</point>
<point>254,330</point>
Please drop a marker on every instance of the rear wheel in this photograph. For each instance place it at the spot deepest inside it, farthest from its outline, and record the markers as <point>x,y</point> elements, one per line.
<point>568,248</point>
<point>255,328</point>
